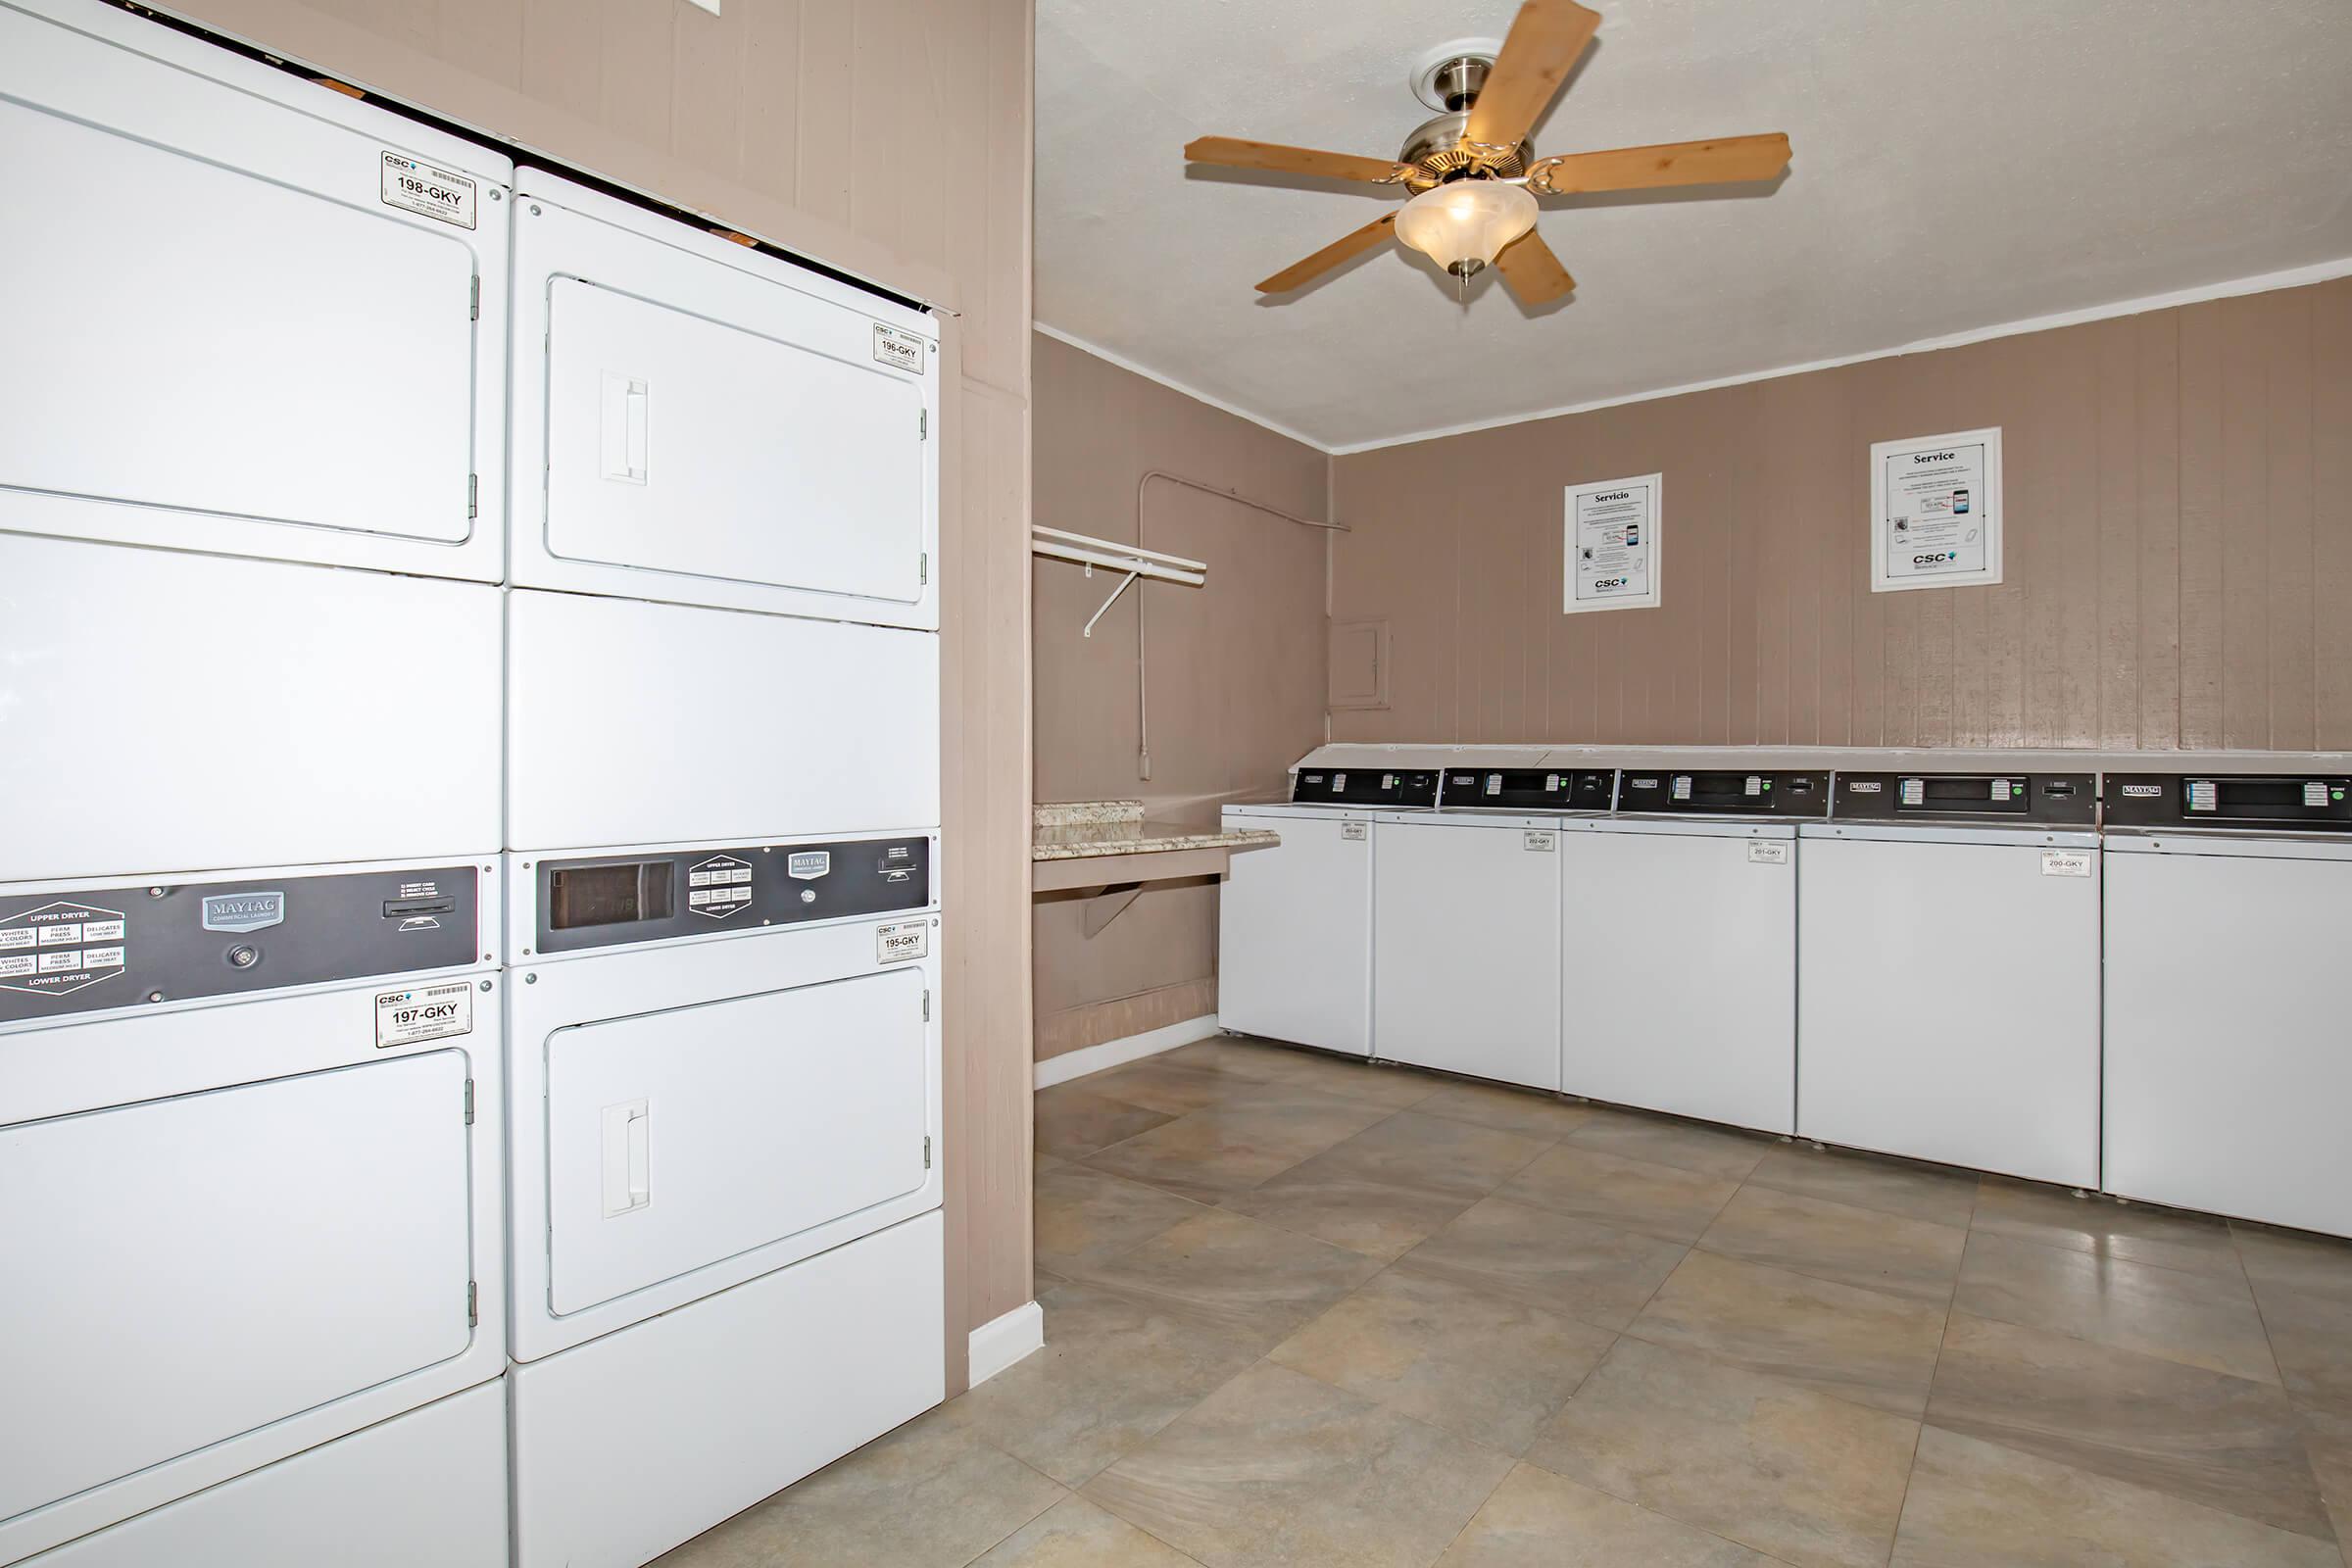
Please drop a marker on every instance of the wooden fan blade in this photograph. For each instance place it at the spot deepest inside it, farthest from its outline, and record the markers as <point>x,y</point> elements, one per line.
<point>1531,272</point>
<point>1543,42</point>
<point>1330,256</point>
<point>1677,163</point>
<point>1234,153</point>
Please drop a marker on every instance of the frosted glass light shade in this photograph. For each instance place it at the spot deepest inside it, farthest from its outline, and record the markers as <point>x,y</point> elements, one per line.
<point>1462,226</point>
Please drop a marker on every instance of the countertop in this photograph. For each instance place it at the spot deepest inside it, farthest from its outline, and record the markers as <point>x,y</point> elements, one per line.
<point>1077,830</point>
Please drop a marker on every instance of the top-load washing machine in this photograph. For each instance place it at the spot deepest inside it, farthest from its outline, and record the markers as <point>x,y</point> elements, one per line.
<point>254,1234</point>
<point>1948,971</point>
<point>1679,966</point>
<point>2229,1053</point>
<point>1294,919</point>
<point>1466,923</point>
<point>725,513</point>
<point>255,336</point>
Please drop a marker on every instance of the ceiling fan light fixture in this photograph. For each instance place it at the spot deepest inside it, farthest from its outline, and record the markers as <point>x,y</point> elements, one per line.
<point>1463,225</point>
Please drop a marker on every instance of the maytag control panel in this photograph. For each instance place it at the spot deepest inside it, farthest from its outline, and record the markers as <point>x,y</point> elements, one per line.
<point>2321,802</point>
<point>1527,789</point>
<point>1365,786</point>
<point>97,948</point>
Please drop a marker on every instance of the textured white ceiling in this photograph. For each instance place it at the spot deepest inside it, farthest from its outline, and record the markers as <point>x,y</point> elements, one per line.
<point>1958,164</point>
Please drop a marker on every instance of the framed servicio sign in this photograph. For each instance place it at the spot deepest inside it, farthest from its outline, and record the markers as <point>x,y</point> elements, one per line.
<point>1935,511</point>
<point>1612,544</point>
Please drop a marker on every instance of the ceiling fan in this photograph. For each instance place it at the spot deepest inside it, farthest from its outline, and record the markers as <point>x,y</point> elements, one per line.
<point>1473,175</point>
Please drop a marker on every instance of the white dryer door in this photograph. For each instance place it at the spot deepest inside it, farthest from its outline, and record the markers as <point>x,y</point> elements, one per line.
<point>680,1138</point>
<point>217,319</point>
<point>680,444</point>
<point>266,1249</point>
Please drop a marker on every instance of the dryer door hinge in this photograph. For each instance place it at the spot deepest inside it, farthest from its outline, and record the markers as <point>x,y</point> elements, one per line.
<point>922,425</point>
<point>473,304</point>
<point>926,1154</point>
<point>473,495</point>
<point>923,567</point>
<point>926,1007</point>
<point>473,1305</point>
<point>468,1102</point>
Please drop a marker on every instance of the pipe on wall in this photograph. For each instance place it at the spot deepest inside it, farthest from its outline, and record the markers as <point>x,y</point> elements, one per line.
<point>1143,706</point>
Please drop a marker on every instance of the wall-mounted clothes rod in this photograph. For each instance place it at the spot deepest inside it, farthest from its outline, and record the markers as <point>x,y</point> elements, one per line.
<point>1133,560</point>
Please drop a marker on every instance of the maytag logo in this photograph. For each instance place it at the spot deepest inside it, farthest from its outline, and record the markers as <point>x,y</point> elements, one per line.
<point>1863,786</point>
<point>243,912</point>
<point>2144,792</point>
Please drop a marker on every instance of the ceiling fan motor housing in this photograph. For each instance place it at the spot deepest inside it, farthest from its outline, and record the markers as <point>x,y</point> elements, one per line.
<point>1435,156</point>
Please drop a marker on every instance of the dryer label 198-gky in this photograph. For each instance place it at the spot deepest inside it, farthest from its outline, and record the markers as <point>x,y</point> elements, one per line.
<point>426,192</point>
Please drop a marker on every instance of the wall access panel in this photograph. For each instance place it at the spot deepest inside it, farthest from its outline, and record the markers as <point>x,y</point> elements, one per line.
<point>245,313</point>
<point>700,422</point>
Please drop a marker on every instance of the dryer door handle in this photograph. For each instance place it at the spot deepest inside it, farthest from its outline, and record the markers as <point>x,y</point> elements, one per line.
<point>627,1138</point>
<point>623,428</point>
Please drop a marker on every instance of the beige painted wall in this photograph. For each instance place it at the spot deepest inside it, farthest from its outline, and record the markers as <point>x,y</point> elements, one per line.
<point>2179,553</point>
<point>1235,667</point>
<point>889,137</point>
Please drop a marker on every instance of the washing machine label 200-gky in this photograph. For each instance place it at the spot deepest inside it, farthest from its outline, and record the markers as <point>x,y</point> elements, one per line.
<point>426,1012</point>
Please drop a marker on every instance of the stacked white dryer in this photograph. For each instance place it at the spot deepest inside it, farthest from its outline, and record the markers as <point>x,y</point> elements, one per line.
<point>722,818</point>
<point>250,441</point>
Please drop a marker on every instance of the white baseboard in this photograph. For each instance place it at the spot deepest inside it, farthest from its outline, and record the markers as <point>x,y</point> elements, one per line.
<point>1118,1053</point>
<point>1000,1342</point>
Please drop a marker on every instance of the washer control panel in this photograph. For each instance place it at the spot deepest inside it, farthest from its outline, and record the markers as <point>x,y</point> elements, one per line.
<point>2302,800</point>
<point>1724,792</point>
<point>1365,786</point>
<point>2068,800</point>
<point>606,900</point>
<point>97,949</point>
<point>1527,789</point>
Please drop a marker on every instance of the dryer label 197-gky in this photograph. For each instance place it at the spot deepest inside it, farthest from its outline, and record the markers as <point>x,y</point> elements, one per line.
<point>424,1013</point>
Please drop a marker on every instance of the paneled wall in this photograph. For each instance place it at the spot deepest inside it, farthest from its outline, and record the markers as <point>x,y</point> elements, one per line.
<point>2179,564</point>
<point>890,138</point>
<point>1235,667</point>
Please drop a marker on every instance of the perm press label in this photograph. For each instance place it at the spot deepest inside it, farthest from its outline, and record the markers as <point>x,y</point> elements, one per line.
<point>426,192</point>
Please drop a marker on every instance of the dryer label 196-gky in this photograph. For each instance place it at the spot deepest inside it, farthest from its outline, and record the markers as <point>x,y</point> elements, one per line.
<point>900,351</point>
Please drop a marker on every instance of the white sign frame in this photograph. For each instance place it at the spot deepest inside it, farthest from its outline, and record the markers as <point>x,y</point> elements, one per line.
<point>1988,502</point>
<point>1652,531</point>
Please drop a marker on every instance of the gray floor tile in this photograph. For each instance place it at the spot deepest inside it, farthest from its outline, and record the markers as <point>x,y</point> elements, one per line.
<point>1113,1371</point>
<point>1593,1273</point>
<point>1075,1534</point>
<point>1539,1520</point>
<point>1511,1110</point>
<point>1841,1340</point>
<point>1485,1367</point>
<point>2027,1211</point>
<point>1232,1274</point>
<point>930,1495</point>
<point>1976,1505</point>
<point>1634,1195</point>
<point>1866,1247</point>
<point>1084,1215</point>
<point>1074,1122</point>
<point>1389,1186</point>
<point>2205,1320</point>
<point>1226,1148</point>
<point>1867,1180</point>
<point>1158,1084</point>
<point>1282,1470</point>
<point>1664,1141</point>
<point>2223,1442</point>
<point>1809,1478</point>
<point>2303,1285</point>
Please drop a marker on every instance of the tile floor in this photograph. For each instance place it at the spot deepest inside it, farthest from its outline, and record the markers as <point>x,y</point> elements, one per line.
<point>1305,1311</point>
